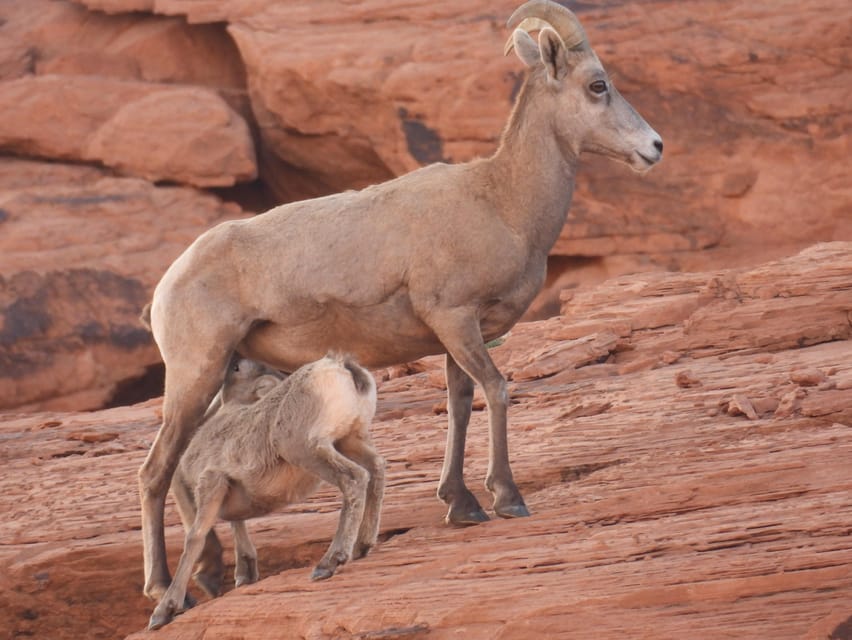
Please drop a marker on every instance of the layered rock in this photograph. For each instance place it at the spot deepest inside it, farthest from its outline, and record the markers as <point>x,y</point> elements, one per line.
<point>353,94</point>
<point>80,253</point>
<point>677,490</point>
<point>750,102</point>
<point>157,132</point>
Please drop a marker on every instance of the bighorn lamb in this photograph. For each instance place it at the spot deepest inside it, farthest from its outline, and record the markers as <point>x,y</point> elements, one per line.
<point>252,456</point>
<point>440,260</point>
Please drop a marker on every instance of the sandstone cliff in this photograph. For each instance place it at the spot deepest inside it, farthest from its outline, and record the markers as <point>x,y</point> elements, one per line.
<point>154,103</point>
<point>683,441</point>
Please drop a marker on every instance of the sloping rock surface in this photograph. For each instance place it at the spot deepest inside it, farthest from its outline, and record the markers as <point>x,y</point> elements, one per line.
<point>688,475</point>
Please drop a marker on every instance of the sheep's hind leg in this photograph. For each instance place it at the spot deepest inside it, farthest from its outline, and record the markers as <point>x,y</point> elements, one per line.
<point>211,491</point>
<point>464,507</point>
<point>361,450</point>
<point>179,422</point>
<point>245,571</point>
<point>193,376</point>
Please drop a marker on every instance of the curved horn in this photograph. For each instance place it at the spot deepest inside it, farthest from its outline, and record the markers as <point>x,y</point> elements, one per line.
<point>536,14</point>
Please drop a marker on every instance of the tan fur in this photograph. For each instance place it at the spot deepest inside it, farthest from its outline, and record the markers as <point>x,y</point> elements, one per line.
<point>440,260</point>
<point>253,455</point>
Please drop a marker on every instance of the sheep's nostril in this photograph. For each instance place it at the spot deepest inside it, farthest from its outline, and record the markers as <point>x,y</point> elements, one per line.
<point>658,145</point>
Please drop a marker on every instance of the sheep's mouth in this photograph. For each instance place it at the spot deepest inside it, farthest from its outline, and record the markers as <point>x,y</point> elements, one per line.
<point>641,163</point>
<point>648,161</point>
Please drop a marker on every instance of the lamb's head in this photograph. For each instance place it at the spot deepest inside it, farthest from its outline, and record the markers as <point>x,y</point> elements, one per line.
<point>588,113</point>
<point>247,381</point>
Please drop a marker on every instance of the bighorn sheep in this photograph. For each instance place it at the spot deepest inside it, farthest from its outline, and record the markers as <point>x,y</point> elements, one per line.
<point>440,260</point>
<point>253,455</point>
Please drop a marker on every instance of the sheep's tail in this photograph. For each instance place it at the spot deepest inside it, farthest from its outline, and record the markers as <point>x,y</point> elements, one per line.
<point>145,317</point>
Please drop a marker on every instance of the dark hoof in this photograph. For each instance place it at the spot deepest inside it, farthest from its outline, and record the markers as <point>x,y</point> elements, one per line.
<point>242,580</point>
<point>188,603</point>
<point>361,550</point>
<point>161,617</point>
<point>512,511</point>
<point>321,573</point>
<point>465,518</point>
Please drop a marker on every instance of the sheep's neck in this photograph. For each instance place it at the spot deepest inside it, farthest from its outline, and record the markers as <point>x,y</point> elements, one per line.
<point>534,175</point>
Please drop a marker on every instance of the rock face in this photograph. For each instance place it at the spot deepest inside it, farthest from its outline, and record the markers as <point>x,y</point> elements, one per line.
<point>749,102</point>
<point>686,463</point>
<point>156,132</point>
<point>290,100</point>
<point>80,253</point>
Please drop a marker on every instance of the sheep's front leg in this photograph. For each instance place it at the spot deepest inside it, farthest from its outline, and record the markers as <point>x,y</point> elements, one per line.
<point>245,571</point>
<point>464,507</point>
<point>458,330</point>
<point>360,449</point>
<point>352,479</point>
<point>210,492</point>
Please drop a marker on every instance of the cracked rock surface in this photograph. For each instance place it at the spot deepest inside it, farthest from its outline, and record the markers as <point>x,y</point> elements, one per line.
<point>690,479</point>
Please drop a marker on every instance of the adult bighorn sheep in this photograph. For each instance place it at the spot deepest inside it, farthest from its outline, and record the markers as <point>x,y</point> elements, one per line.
<point>436,261</point>
<point>268,444</point>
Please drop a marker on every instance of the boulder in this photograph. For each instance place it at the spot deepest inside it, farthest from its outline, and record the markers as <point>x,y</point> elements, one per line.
<point>80,253</point>
<point>157,132</point>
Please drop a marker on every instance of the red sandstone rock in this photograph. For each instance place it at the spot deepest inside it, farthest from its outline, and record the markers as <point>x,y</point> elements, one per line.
<point>380,87</point>
<point>80,253</point>
<point>157,132</point>
<point>651,517</point>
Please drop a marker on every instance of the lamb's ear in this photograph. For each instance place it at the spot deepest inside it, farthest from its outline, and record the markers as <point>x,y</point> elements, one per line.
<point>553,54</point>
<point>263,385</point>
<point>525,48</point>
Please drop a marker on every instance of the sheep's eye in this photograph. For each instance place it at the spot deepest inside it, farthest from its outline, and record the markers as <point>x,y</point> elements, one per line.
<point>237,367</point>
<point>598,87</point>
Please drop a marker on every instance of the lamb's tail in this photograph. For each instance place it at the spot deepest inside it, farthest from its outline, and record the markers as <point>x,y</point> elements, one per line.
<point>145,316</point>
<point>360,377</point>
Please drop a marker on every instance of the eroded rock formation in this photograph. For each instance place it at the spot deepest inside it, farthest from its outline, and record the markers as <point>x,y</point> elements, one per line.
<point>687,465</point>
<point>314,97</point>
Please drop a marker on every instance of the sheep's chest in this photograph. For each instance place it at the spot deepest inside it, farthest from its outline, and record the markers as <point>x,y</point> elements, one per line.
<point>285,484</point>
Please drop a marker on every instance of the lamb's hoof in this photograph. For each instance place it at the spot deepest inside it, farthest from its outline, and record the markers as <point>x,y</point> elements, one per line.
<point>512,511</point>
<point>161,617</point>
<point>321,573</point>
<point>166,612</point>
<point>466,517</point>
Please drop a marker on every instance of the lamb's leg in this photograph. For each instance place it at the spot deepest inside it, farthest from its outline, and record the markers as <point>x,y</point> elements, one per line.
<point>210,568</point>
<point>458,330</point>
<point>352,479</point>
<point>210,492</point>
<point>180,417</point>
<point>464,507</point>
<point>245,571</point>
<point>360,450</point>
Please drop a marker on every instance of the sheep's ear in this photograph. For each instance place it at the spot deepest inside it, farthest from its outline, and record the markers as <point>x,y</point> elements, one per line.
<point>553,54</point>
<point>525,48</point>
